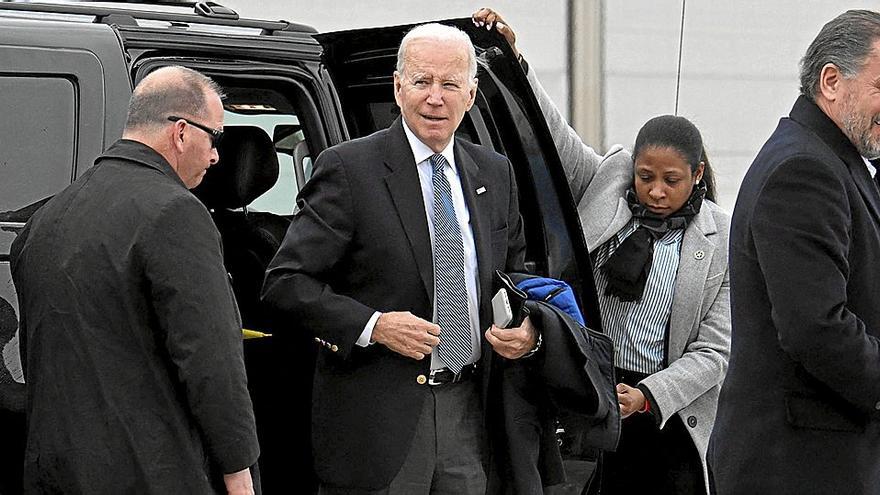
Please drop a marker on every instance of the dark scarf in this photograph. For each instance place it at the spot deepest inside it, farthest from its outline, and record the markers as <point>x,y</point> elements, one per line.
<point>627,269</point>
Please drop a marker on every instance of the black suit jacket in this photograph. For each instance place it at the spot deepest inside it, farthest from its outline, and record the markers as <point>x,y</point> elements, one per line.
<point>798,411</point>
<point>359,243</point>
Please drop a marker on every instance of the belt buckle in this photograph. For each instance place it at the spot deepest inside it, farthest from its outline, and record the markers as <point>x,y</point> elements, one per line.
<point>433,374</point>
<point>435,377</point>
<point>456,377</point>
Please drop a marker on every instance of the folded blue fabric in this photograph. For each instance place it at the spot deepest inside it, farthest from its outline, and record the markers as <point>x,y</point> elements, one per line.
<point>555,292</point>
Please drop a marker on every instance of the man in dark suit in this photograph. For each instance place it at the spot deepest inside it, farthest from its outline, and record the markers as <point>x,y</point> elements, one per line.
<point>389,263</point>
<point>133,363</point>
<point>799,410</point>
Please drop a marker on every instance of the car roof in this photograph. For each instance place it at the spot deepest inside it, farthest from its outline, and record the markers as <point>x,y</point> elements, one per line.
<point>199,16</point>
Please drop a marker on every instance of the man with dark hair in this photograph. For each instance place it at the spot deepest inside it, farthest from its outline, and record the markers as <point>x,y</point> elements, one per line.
<point>131,345</point>
<point>799,410</point>
<point>389,264</point>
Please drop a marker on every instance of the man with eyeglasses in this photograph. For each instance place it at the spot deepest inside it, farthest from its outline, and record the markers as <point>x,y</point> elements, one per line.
<point>216,134</point>
<point>131,338</point>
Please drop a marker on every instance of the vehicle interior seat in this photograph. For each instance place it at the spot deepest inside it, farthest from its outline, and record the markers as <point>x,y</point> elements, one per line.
<point>248,167</point>
<point>284,362</point>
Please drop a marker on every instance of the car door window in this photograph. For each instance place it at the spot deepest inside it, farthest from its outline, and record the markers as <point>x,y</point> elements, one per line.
<point>294,160</point>
<point>36,161</point>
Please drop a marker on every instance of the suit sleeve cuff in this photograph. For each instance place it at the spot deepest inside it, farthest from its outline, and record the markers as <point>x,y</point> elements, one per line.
<point>653,409</point>
<point>367,334</point>
<point>238,456</point>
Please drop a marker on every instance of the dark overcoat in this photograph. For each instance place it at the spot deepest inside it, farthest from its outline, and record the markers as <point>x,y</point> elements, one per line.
<point>132,342</point>
<point>799,410</point>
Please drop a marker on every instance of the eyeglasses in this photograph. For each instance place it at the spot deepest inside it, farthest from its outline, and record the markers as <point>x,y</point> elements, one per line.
<point>216,134</point>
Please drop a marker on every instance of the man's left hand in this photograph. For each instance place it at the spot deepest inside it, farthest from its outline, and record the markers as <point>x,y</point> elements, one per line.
<point>513,343</point>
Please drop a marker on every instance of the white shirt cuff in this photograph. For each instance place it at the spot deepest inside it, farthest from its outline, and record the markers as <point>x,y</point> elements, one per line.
<point>367,334</point>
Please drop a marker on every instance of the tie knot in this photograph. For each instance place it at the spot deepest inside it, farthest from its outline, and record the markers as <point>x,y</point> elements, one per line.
<point>437,163</point>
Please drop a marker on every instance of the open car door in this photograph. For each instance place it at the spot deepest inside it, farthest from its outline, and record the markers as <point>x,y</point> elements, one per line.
<point>505,117</point>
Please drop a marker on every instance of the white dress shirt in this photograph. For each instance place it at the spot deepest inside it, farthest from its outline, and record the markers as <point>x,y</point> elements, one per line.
<point>422,153</point>
<point>871,169</point>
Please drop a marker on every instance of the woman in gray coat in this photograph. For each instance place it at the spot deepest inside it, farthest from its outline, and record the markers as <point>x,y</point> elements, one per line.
<point>659,249</point>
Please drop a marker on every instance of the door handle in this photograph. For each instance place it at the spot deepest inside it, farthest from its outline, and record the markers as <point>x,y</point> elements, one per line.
<point>13,226</point>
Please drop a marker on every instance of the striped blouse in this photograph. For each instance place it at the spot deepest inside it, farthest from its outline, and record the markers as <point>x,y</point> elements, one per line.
<point>638,328</point>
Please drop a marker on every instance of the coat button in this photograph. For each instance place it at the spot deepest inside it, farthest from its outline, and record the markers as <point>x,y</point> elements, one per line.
<point>421,379</point>
<point>699,254</point>
<point>692,421</point>
<point>334,348</point>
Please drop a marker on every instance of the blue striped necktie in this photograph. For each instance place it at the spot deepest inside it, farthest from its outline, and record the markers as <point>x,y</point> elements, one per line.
<point>450,292</point>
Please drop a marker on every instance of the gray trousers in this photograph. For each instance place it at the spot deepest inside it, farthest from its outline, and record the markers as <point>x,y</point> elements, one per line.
<point>448,449</point>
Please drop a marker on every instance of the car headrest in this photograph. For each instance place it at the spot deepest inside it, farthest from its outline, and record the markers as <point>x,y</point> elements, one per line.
<point>248,167</point>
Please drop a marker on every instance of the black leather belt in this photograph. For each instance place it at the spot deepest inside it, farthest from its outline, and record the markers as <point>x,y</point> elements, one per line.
<point>442,376</point>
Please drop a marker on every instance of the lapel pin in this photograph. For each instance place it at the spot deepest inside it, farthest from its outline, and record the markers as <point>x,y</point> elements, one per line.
<point>699,254</point>
<point>481,190</point>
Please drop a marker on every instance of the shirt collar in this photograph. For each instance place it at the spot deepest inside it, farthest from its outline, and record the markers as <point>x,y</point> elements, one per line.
<point>138,152</point>
<point>422,152</point>
<point>871,168</point>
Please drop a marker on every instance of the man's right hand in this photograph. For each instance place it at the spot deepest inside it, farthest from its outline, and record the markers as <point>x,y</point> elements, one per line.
<point>406,334</point>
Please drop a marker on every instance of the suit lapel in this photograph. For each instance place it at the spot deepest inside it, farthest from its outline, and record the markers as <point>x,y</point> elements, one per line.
<point>479,207</point>
<point>693,268</point>
<point>406,193</point>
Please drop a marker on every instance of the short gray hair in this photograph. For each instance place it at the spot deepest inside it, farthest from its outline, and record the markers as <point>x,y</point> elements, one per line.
<point>169,91</point>
<point>845,41</point>
<point>442,33</point>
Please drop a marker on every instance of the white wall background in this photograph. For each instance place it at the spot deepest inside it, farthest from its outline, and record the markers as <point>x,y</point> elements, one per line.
<point>739,70</point>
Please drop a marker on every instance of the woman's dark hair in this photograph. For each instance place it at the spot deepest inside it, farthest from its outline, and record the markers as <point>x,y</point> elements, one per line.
<point>708,177</point>
<point>680,134</point>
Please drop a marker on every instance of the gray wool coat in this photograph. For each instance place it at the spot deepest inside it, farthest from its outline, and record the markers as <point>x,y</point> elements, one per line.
<point>699,330</point>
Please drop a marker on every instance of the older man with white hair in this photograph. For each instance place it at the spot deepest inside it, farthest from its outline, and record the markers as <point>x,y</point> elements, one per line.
<point>389,264</point>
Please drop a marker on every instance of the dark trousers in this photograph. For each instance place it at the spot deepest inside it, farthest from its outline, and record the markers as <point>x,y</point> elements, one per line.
<point>448,450</point>
<point>12,439</point>
<point>650,460</point>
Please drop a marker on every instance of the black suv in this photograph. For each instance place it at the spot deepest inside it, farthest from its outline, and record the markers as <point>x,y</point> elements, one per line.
<point>66,74</point>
